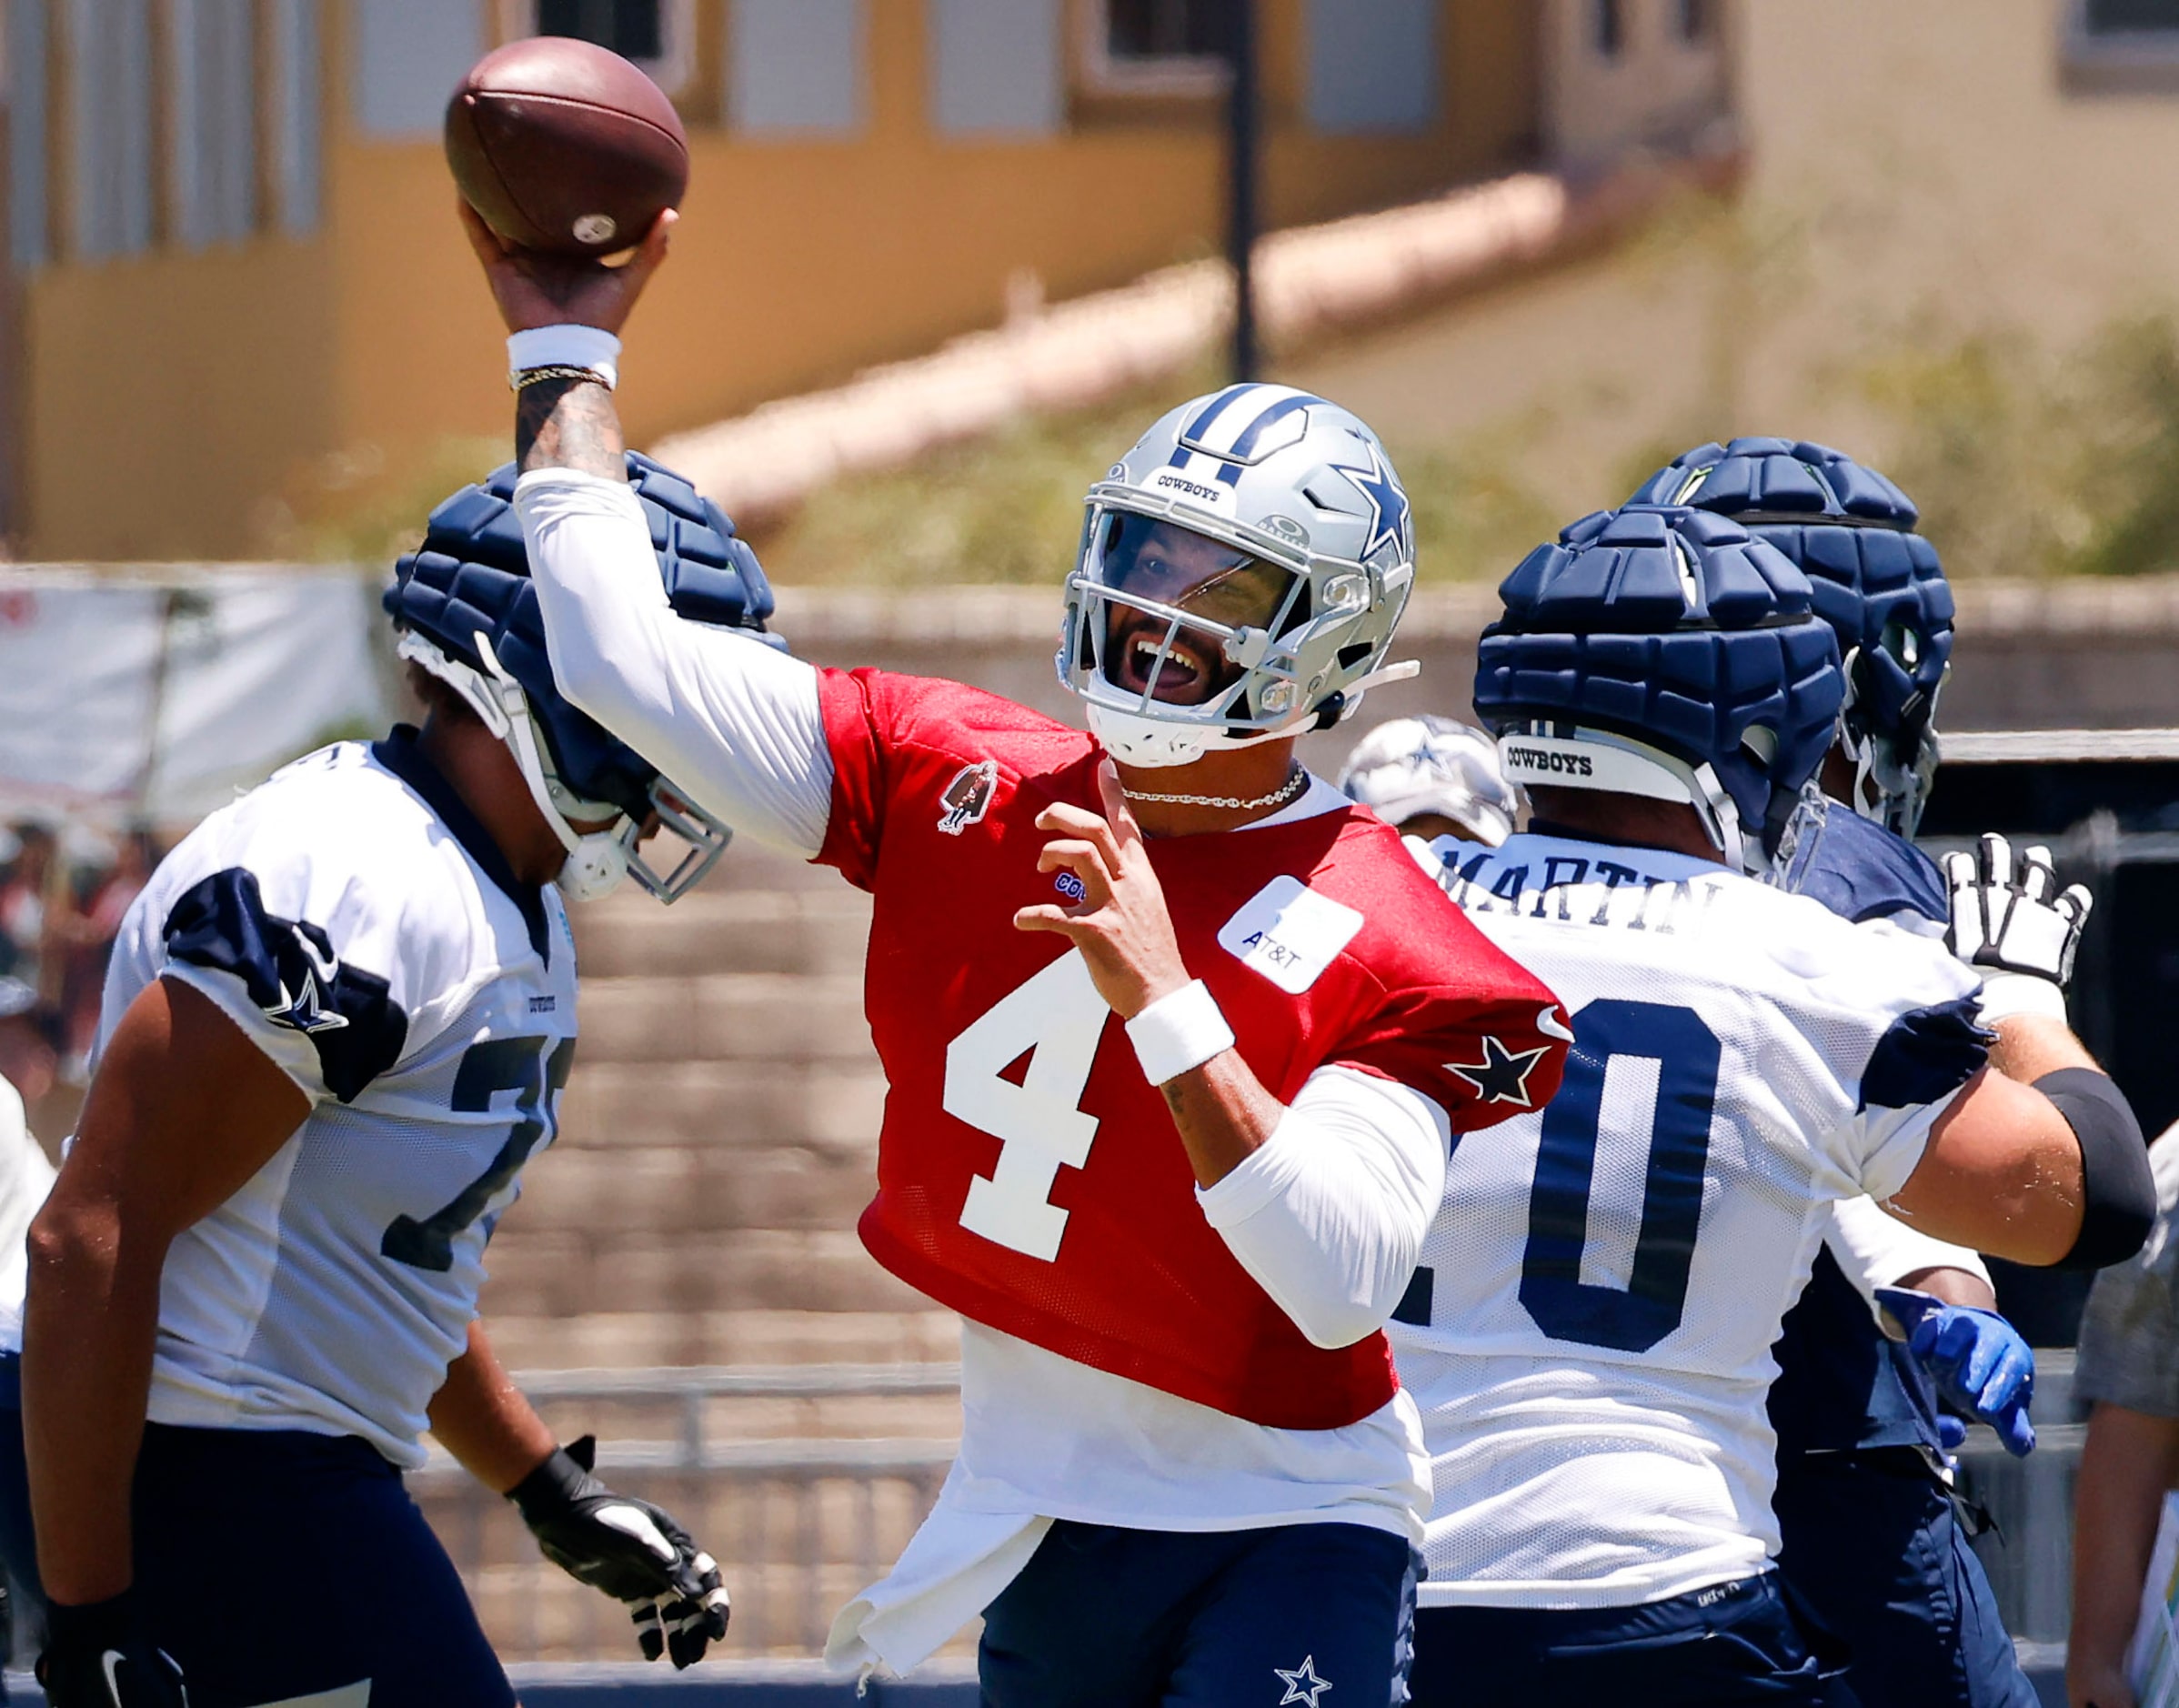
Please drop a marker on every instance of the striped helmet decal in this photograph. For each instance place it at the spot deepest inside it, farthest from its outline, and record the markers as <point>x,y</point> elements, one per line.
<point>1230,430</point>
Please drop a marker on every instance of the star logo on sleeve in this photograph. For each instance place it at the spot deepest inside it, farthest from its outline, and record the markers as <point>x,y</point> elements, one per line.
<point>303,1010</point>
<point>1502,1075</point>
<point>1303,1684</point>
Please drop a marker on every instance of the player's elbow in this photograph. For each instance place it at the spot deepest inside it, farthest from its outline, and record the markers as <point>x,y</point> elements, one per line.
<point>1355,1299</point>
<point>1334,1330</point>
<point>71,1243</point>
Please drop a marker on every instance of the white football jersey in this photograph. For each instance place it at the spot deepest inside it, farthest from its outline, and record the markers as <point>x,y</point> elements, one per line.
<point>353,917</point>
<point>1590,1336</point>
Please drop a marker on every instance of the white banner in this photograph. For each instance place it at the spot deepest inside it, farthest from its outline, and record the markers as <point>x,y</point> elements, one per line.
<point>157,695</point>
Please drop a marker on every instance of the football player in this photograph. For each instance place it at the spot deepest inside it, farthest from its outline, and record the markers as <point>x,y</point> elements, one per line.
<point>1590,1339</point>
<point>1187,1474</point>
<point>1430,776</point>
<point>336,1027</point>
<point>1872,1538</point>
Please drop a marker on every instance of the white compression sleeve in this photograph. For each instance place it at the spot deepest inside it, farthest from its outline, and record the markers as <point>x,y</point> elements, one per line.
<point>1328,1214</point>
<point>726,719</point>
<point>1875,1249</point>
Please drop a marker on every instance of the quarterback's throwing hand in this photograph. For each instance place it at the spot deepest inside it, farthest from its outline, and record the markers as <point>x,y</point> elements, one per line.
<point>1119,918</point>
<point>535,289</point>
<point>630,1549</point>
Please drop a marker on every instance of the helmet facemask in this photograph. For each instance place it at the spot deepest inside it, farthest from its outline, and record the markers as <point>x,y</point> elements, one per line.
<point>1183,640</point>
<point>1887,729</point>
<point>1173,618</point>
<point>598,859</point>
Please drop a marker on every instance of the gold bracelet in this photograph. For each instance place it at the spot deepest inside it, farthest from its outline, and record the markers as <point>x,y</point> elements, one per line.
<point>530,376</point>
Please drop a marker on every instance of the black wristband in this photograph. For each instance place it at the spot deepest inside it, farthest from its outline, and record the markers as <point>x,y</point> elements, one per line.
<point>92,1625</point>
<point>2118,1193</point>
<point>556,1484</point>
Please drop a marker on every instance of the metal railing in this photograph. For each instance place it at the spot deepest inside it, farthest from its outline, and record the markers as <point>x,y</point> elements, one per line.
<point>2029,1552</point>
<point>799,1520</point>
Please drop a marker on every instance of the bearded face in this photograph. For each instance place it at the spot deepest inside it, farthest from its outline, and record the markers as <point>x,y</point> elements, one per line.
<point>1160,562</point>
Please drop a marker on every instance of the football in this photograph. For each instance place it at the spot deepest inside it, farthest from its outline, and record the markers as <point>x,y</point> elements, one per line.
<point>564,145</point>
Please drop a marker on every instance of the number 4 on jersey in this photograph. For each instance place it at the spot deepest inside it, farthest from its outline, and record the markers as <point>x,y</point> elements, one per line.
<point>1057,1018</point>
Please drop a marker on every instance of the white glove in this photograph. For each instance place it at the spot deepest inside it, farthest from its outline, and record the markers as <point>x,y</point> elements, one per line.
<point>2010,918</point>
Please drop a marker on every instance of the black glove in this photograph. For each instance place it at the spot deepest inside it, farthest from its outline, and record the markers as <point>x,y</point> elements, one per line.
<point>627,1548</point>
<point>98,1655</point>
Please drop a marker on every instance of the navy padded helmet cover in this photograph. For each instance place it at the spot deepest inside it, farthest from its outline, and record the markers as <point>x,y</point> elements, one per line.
<point>1675,626</point>
<point>472,574</point>
<point>1851,531</point>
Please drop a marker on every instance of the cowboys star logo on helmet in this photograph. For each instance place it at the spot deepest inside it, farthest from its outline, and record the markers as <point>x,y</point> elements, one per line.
<point>967,797</point>
<point>1387,502</point>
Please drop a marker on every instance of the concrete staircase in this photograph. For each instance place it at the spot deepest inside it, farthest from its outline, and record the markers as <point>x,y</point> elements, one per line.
<point>718,1142</point>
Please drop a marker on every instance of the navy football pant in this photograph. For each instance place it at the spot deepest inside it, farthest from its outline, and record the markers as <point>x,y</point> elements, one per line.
<point>277,1564</point>
<point>1108,1618</point>
<point>1734,1643</point>
<point>1874,1545</point>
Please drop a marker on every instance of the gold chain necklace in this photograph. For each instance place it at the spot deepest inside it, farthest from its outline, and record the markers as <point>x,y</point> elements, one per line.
<point>1278,796</point>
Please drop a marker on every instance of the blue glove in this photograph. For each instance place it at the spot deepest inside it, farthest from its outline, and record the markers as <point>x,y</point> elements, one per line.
<point>1982,1365</point>
<point>1952,1432</point>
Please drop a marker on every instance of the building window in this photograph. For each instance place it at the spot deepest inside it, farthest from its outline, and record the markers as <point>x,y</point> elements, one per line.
<point>110,99</point>
<point>1169,29</point>
<point>1608,27</point>
<point>1372,66</point>
<point>2121,47</point>
<point>1157,47</point>
<point>631,28</point>
<point>995,68</point>
<point>28,50</point>
<point>406,58</point>
<point>658,35</point>
<point>212,113</point>
<point>794,67</point>
<point>1695,18</point>
<point>296,125</point>
<point>2110,17</point>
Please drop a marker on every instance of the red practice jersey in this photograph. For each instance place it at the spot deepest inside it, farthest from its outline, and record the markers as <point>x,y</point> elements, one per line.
<point>1029,1176</point>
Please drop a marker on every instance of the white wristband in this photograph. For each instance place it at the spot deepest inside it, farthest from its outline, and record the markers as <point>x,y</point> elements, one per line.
<point>1179,1031</point>
<point>565,347</point>
<point>2005,994</point>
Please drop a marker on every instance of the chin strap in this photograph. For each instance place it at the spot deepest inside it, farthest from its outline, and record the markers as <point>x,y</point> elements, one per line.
<point>595,862</point>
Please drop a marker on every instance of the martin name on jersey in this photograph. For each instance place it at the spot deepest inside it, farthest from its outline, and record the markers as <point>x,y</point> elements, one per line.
<point>1590,1341</point>
<point>357,923</point>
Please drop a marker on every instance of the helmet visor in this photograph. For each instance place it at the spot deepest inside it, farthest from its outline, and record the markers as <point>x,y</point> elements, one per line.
<point>1175,603</point>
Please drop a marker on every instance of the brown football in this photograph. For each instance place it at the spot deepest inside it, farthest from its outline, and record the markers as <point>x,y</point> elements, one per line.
<point>564,145</point>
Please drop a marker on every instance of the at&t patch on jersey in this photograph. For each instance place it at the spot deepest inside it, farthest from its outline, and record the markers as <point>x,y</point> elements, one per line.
<point>1289,933</point>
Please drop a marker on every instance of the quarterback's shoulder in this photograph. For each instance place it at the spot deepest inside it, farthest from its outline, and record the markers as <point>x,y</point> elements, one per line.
<point>1861,871</point>
<point>1414,935</point>
<point>947,718</point>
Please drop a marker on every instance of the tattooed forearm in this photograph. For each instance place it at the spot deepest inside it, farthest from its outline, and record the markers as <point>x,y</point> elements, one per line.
<point>1222,1114</point>
<point>568,423</point>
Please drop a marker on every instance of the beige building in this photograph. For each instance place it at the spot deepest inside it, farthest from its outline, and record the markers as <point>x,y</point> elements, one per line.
<point>236,281</point>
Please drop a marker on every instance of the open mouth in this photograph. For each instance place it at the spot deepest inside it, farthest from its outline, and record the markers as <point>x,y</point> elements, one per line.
<point>1187,676</point>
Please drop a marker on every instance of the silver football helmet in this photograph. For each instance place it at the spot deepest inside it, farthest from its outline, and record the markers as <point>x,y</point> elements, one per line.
<point>1241,572</point>
<point>1413,765</point>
